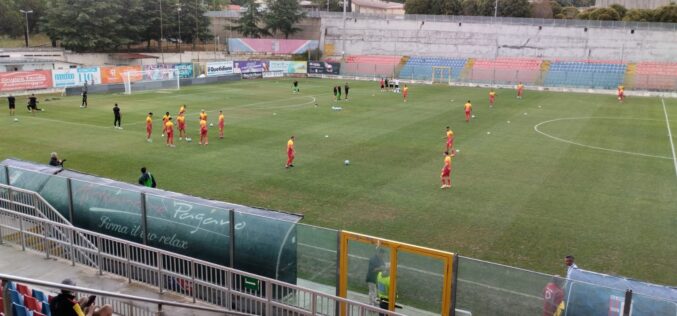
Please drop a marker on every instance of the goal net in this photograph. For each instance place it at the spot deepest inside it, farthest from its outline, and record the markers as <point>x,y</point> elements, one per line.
<point>153,79</point>
<point>441,74</point>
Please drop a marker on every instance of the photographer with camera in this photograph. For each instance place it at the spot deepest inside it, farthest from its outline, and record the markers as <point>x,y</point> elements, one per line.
<point>55,161</point>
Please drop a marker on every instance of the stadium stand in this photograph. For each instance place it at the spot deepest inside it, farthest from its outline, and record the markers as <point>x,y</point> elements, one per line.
<point>597,74</point>
<point>270,46</point>
<point>24,301</point>
<point>421,68</point>
<point>506,70</point>
<point>370,65</point>
<point>655,76</point>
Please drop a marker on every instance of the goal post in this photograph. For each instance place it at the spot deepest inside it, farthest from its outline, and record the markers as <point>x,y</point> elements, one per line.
<point>441,74</point>
<point>152,79</point>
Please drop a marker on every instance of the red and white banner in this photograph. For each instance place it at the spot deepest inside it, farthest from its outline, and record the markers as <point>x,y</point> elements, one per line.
<point>25,80</point>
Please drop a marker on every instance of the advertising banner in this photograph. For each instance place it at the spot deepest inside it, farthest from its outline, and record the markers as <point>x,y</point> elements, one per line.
<point>91,75</point>
<point>114,74</point>
<point>320,67</point>
<point>248,66</point>
<point>278,65</point>
<point>65,78</point>
<point>297,67</point>
<point>252,75</point>
<point>219,68</point>
<point>273,74</point>
<point>289,67</point>
<point>154,73</point>
<point>185,70</point>
<point>25,80</point>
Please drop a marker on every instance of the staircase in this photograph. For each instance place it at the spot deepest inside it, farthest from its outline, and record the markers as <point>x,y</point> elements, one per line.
<point>403,61</point>
<point>467,69</point>
<point>545,68</point>
<point>629,78</point>
<point>38,237</point>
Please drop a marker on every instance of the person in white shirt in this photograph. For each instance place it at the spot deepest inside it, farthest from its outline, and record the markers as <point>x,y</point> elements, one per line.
<point>569,262</point>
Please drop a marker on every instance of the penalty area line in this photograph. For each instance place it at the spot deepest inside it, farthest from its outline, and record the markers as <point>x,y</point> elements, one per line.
<point>672,143</point>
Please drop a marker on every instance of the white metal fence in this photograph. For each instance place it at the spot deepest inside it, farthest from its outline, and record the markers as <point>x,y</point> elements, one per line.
<point>228,288</point>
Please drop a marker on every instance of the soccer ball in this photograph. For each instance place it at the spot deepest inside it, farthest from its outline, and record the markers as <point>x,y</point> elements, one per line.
<point>211,124</point>
<point>188,139</point>
<point>16,119</point>
<point>346,162</point>
<point>473,116</point>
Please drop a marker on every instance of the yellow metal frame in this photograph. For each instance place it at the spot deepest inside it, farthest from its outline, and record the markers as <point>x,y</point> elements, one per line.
<point>446,257</point>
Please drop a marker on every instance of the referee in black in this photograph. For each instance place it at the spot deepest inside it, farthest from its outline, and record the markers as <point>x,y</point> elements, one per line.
<point>12,104</point>
<point>116,112</point>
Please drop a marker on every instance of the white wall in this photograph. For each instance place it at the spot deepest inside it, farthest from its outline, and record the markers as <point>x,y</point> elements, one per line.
<point>484,40</point>
<point>633,4</point>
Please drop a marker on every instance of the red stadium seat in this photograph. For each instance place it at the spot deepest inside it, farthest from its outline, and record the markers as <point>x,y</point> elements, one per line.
<point>32,304</point>
<point>23,289</point>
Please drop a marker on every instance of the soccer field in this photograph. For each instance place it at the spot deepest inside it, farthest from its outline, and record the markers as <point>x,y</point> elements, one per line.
<point>535,179</point>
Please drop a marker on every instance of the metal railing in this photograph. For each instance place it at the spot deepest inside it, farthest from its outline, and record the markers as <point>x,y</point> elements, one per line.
<point>33,204</point>
<point>499,20</point>
<point>228,288</point>
<point>122,304</point>
<point>477,19</point>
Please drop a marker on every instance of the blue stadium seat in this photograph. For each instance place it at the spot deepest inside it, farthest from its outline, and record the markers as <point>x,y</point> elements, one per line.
<point>587,75</point>
<point>39,295</point>
<point>420,68</point>
<point>16,297</point>
<point>45,308</point>
<point>19,310</point>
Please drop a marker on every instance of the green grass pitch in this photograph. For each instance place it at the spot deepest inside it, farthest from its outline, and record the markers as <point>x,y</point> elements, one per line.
<point>595,179</point>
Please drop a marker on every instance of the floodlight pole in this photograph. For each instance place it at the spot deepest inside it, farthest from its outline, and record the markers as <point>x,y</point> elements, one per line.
<point>162,37</point>
<point>197,25</point>
<point>496,9</point>
<point>178,40</point>
<point>26,12</point>
<point>343,32</point>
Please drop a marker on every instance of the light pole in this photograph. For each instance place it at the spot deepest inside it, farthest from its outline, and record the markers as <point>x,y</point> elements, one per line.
<point>26,12</point>
<point>162,37</point>
<point>496,9</point>
<point>178,15</point>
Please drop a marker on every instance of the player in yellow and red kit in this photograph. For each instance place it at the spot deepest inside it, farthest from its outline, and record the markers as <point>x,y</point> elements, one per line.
<point>450,139</point>
<point>149,126</point>
<point>204,138</point>
<point>445,176</point>
<point>222,123</point>
<point>291,152</point>
<point>405,92</point>
<point>165,118</point>
<point>468,110</point>
<point>169,131</point>
<point>621,94</point>
<point>181,120</point>
<point>520,90</point>
<point>203,115</point>
<point>492,98</point>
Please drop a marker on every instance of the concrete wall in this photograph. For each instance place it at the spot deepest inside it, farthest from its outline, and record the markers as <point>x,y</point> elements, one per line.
<point>633,4</point>
<point>366,36</point>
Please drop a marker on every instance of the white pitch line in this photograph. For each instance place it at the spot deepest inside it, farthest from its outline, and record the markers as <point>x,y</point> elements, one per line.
<point>595,147</point>
<point>672,143</point>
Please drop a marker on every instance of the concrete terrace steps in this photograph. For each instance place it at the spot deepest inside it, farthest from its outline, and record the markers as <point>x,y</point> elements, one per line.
<point>629,79</point>
<point>545,68</point>
<point>467,69</point>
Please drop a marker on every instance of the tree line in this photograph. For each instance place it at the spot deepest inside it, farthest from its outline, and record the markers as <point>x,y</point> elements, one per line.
<point>279,16</point>
<point>93,25</point>
<point>558,9</point>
